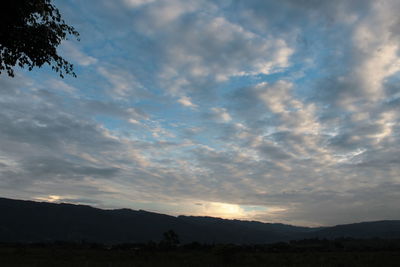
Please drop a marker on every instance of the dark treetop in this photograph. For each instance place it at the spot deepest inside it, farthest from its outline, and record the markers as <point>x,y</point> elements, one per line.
<point>30,32</point>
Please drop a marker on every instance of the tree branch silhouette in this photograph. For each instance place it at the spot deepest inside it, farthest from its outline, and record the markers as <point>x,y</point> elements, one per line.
<point>30,32</point>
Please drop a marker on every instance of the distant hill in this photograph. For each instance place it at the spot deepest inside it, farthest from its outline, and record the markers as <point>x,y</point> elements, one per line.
<point>379,229</point>
<point>29,221</point>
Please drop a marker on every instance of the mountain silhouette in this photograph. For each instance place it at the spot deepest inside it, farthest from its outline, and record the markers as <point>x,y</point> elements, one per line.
<point>30,221</point>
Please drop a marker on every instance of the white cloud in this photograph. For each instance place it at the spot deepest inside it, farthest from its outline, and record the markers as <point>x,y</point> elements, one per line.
<point>205,47</point>
<point>137,3</point>
<point>62,86</point>
<point>187,102</point>
<point>72,51</point>
<point>124,84</point>
<point>221,114</point>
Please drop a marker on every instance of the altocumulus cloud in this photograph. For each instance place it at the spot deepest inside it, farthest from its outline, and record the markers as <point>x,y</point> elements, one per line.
<point>283,111</point>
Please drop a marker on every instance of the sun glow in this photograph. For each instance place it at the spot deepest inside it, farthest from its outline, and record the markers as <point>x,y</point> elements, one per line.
<point>49,198</point>
<point>225,210</point>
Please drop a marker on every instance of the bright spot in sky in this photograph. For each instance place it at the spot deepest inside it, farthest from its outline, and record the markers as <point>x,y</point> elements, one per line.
<point>50,198</point>
<point>224,210</point>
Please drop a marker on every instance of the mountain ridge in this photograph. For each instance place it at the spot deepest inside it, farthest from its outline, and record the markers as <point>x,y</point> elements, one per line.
<point>31,221</point>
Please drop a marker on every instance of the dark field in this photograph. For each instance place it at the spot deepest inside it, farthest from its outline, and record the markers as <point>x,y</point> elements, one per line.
<point>322,254</point>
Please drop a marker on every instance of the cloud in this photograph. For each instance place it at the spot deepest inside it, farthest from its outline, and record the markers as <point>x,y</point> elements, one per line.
<point>186,101</point>
<point>71,51</point>
<point>137,3</point>
<point>39,140</point>
<point>220,114</point>
<point>203,49</point>
<point>123,82</point>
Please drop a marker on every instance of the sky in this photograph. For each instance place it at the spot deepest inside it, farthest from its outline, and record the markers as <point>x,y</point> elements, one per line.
<point>277,111</point>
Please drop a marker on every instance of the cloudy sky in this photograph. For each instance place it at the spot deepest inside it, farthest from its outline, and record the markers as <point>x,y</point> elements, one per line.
<point>279,111</point>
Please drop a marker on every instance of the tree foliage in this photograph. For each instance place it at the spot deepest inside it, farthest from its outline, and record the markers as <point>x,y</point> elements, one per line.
<point>171,239</point>
<point>30,32</point>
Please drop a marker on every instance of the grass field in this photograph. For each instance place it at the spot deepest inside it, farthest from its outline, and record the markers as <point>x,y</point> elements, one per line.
<point>216,256</point>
